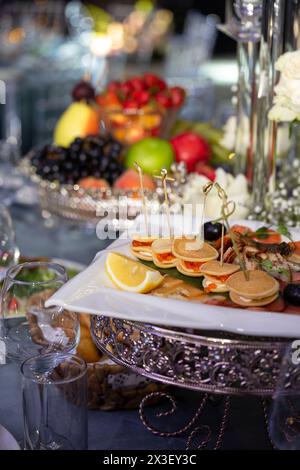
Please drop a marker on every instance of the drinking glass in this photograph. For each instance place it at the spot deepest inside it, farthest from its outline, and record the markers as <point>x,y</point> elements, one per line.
<point>9,252</point>
<point>55,402</point>
<point>249,12</point>
<point>28,327</point>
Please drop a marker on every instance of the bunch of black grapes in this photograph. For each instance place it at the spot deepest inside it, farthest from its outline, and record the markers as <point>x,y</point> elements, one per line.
<point>97,156</point>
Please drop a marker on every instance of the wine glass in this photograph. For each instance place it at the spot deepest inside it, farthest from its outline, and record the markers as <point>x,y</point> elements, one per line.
<point>28,327</point>
<point>9,252</point>
<point>55,402</point>
<point>249,13</point>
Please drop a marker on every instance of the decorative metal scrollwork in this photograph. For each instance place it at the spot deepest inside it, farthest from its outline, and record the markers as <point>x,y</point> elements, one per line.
<point>209,363</point>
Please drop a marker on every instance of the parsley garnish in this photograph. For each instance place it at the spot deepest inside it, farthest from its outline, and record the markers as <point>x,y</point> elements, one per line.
<point>262,233</point>
<point>283,230</point>
<point>267,264</point>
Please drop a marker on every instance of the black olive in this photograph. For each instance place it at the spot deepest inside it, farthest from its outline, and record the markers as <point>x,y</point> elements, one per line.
<point>213,231</point>
<point>291,294</point>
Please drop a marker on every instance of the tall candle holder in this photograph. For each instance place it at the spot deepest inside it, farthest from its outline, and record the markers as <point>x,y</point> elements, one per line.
<point>245,28</point>
<point>271,47</point>
<point>276,196</point>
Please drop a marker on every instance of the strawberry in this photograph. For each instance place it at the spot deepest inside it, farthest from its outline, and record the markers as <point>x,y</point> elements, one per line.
<point>154,82</point>
<point>137,84</point>
<point>142,97</point>
<point>126,89</point>
<point>161,84</point>
<point>177,94</point>
<point>164,99</point>
<point>150,79</point>
<point>130,104</point>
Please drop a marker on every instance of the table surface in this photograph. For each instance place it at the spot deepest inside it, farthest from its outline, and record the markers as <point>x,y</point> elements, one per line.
<point>112,430</point>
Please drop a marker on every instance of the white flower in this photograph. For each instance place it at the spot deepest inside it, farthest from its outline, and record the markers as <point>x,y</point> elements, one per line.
<point>229,137</point>
<point>286,104</point>
<point>236,188</point>
<point>282,113</point>
<point>289,65</point>
<point>288,92</point>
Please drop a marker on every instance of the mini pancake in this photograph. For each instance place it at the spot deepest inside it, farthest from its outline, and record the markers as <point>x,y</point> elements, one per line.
<point>189,268</point>
<point>216,275</point>
<point>243,302</point>
<point>191,255</point>
<point>214,268</point>
<point>141,247</point>
<point>183,248</point>
<point>162,255</point>
<point>259,286</point>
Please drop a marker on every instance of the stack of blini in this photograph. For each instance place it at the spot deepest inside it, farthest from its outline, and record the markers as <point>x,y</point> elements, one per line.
<point>192,258</point>
<point>186,254</point>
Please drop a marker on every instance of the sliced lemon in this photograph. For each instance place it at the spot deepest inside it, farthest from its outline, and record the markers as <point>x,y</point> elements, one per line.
<point>131,275</point>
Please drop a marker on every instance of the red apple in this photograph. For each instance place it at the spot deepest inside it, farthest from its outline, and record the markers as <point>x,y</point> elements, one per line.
<point>205,170</point>
<point>177,95</point>
<point>191,148</point>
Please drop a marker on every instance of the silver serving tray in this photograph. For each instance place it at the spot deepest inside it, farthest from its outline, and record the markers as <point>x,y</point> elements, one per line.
<point>90,206</point>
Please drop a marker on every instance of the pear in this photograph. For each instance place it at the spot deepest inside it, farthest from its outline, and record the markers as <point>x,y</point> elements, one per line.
<point>78,120</point>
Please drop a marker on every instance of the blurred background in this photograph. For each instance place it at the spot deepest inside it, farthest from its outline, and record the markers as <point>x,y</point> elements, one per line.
<point>47,46</point>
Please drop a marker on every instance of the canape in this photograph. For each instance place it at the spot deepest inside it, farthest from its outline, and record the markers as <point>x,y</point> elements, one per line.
<point>256,290</point>
<point>216,274</point>
<point>191,255</point>
<point>141,247</point>
<point>162,253</point>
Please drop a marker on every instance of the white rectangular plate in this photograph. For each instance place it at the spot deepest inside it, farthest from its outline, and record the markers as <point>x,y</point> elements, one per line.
<point>92,292</point>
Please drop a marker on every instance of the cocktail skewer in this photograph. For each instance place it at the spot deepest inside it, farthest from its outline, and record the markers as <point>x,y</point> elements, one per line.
<point>226,212</point>
<point>206,190</point>
<point>223,196</point>
<point>198,242</point>
<point>164,178</point>
<point>144,201</point>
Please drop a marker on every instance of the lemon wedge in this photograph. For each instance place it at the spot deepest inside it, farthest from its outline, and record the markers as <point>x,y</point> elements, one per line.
<point>131,275</point>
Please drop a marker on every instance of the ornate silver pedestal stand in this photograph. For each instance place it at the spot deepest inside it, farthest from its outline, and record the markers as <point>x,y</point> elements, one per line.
<point>211,363</point>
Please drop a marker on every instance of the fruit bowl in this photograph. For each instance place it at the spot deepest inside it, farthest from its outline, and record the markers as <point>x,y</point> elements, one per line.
<point>131,125</point>
<point>88,206</point>
<point>139,107</point>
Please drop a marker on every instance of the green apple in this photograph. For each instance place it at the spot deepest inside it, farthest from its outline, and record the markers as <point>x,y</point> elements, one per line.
<point>152,154</point>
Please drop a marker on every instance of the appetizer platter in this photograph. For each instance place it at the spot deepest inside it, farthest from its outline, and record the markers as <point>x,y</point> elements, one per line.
<point>174,285</point>
<point>212,313</point>
<point>226,295</point>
